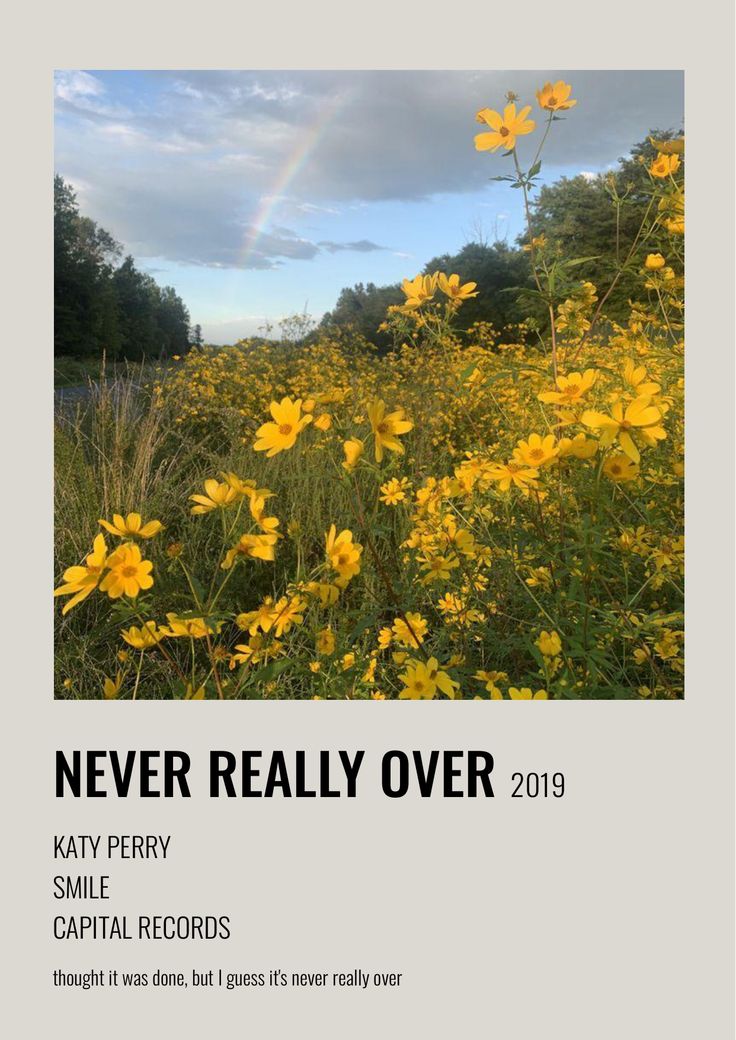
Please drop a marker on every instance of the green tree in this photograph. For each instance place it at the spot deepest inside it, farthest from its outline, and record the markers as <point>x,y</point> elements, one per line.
<point>499,270</point>
<point>579,217</point>
<point>173,323</point>
<point>138,305</point>
<point>102,306</point>
<point>363,308</point>
<point>85,314</point>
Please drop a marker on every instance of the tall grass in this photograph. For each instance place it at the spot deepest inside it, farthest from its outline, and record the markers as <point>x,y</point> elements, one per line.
<point>120,450</point>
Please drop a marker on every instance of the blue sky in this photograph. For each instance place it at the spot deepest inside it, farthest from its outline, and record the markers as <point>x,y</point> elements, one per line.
<point>259,193</point>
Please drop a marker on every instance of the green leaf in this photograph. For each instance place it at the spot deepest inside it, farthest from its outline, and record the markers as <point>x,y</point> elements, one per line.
<point>270,671</point>
<point>365,622</point>
<point>579,260</point>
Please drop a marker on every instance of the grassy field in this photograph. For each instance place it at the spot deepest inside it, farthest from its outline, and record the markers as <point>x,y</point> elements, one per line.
<point>494,515</point>
<point>567,581</point>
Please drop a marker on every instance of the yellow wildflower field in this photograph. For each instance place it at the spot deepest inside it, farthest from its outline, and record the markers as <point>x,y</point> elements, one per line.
<point>472,515</point>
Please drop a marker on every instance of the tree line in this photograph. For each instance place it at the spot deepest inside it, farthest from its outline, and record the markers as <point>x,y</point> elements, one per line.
<point>102,303</point>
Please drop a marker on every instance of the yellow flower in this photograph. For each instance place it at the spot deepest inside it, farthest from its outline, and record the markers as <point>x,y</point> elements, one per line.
<point>257,507</point>
<point>255,650</point>
<point>174,549</point>
<point>417,682</point>
<point>510,473</point>
<point>664,166</point>
<point>671,210</point>
<point>639,415</point>
<point>537,451</point>
<point>654,262</point>
<point>343,554</point>
<point>353,450</point>
<point>504,128</point>
<point>537,242</point>
<point>636,376</point>
<point>144,637</point>
<point>281,434</point>
<point>492,679</point>
<point>394,491</point>
<point>451,287</point>
<point>674,147</point>
<point>325,642</point>
<point>419,290</point>
<point>111,688</point>
<point>252,546</point>
<point>384,638</point>
<point>323,422</point>
<point>441,679</point>
<point>218,496</point>
<point>287,612</point>
<point>386,428</point>
<point>127,573</point>
<point>327,593</point>
<point>253,620</point>
<point>580,447</point>
<point>131,526</point>
<point>80,581</point>
<point>620,468</point>
<point>525,694</point>
<point>555,97</point>
<point>570,388</point>
<point>246,488</point>
<point>190,627</point>
<point>549,644</point>
<point>410,630</point>
<point>437,568</point>
<point>348,661</point>
<point>314,666</point>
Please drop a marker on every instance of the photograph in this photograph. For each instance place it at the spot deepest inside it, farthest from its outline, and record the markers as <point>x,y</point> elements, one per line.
<point>369,385</point>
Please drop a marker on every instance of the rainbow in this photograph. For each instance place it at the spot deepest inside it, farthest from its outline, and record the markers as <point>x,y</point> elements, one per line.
<point>294,163</point>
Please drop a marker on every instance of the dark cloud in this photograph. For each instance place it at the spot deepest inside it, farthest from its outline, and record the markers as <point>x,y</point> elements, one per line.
<point>181,165</point>
<point>363,246</point>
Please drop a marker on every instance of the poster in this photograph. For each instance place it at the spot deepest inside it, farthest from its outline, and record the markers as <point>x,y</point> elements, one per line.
<point>400,378</point>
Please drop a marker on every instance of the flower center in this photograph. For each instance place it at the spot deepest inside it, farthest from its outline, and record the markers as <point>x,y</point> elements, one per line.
<point>552,100</point>
<point>504,131</point>
<point>129,571</point>
<point>342,560</point>
<point>285,429</point>
<point>382,427</point>
<point>536,454</point>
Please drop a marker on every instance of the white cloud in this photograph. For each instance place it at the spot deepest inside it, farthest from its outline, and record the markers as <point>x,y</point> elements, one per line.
<point>72,85</point>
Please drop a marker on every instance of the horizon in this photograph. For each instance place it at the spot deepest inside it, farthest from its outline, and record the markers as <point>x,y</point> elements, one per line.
<point>261,194</point>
